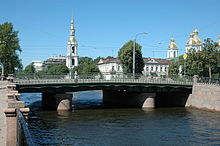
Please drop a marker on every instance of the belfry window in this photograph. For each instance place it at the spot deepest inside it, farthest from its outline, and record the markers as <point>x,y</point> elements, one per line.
<point>73,62</point>
<point>73,49</point>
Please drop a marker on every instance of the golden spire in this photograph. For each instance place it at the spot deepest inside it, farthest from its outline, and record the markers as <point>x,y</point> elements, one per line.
<point>72,24</point>
<point>72,32</point>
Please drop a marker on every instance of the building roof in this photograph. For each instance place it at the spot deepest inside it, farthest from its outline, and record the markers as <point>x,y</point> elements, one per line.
<point>146,60</point>
<point>156,60</point>
<point>110,60</point>
<point>55,59</point>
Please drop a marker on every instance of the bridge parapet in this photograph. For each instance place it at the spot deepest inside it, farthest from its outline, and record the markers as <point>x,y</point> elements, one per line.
<point>99,79</point>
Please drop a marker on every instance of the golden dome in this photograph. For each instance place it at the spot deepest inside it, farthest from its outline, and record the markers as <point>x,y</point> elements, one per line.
<point>191,41</point>
<point>72,39</point>
<point>172,44</point>
<point>197,40</point>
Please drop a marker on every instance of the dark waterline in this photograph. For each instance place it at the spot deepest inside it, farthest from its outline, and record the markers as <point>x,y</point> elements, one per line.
<point>90,124</point>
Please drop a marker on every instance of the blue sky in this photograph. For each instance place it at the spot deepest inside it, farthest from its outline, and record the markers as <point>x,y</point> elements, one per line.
<point>102,27</point>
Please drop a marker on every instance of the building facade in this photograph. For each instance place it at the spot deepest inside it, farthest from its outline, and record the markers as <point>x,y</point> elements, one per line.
<point>152,67</point>
<point>55,60</point>
<point>72,58</point>
<point>37,65</point>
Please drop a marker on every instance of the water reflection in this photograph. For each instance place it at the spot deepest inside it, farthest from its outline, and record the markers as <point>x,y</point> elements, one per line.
<point>93,125</point>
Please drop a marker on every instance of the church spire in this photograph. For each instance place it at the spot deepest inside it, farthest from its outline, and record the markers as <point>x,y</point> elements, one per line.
<point>72,58</point>
<point>72,32</point>
<point>72,29</point>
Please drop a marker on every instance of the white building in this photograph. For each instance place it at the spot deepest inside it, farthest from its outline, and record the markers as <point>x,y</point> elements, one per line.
<point>152,67</point>
<point>112,65</point>
<point>194,43</point>
<point>37,65</point>
<point>156,66</point>
<point>172,49</point>
<point>55,60</point>
<point>72,58</point>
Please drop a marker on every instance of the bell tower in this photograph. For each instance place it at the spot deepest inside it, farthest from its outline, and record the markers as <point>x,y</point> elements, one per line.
<point>172,51</point>
<point>72,58</point>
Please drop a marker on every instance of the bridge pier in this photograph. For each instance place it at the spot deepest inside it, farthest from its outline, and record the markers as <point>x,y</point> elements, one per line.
<point>128,99</point>
<point>57,101</point>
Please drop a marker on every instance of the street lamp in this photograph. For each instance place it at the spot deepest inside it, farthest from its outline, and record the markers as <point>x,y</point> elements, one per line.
<point>134,42</point>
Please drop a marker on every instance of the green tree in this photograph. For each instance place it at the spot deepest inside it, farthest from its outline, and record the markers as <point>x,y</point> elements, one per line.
<point>210,55</point>
<point>54,69</point>
<point>174,68</point>
<point>125,55</point>
<point>29,69</point>
<point>87,65</point>
<point>9,48</point>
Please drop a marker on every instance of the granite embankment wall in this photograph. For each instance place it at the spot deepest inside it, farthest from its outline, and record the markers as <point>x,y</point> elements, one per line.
<point>3,106</point>
<point>205,96</point>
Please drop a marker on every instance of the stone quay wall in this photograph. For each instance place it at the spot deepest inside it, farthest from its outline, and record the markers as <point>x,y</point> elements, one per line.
<point>3,106</point>
<point>205,96</point>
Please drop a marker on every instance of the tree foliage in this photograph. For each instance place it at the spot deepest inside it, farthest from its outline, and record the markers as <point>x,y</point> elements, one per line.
<point>87,65</point>
<point>29,69</point>
<point>125,55</point>
<point>9,48</point>
<point>54,69</point>
<point>204,63</point>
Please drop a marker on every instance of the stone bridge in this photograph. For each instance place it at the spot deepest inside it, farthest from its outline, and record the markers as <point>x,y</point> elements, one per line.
<point>119,92</point>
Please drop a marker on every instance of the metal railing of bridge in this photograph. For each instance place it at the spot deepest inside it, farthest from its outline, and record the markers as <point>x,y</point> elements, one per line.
<point>206,80</point>
<point>102,78</point>
<point>23,136</point>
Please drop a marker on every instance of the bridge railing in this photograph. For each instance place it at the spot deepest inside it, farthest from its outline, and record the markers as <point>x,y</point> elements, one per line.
<point>101,78</point>
<point>206,80</point>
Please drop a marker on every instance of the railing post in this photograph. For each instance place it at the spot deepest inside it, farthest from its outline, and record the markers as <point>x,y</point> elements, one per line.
<point>195,79</point>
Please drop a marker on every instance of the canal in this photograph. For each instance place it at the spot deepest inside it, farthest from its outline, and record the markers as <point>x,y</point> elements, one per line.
<point>91,124</point>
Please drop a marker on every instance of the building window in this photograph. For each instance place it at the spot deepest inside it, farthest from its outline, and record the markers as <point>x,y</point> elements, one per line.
<point>73,49</point>
<point>118,68</point>
<point>165,69</point>
<point>152,68</point>
<point>156,68</point>
<point>73,62</point>
<point>161,69</point>
<point>113,68</point>
<point>174,54</point>
<point>147,68</point>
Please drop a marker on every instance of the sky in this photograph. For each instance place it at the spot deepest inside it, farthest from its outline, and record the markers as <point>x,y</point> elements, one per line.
<point>104,26</point>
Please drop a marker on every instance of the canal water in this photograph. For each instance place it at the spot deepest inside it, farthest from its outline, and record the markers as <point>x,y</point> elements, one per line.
<point>91,124</point>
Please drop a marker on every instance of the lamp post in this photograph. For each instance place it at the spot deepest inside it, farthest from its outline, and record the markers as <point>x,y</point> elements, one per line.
<point>134,43</point>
